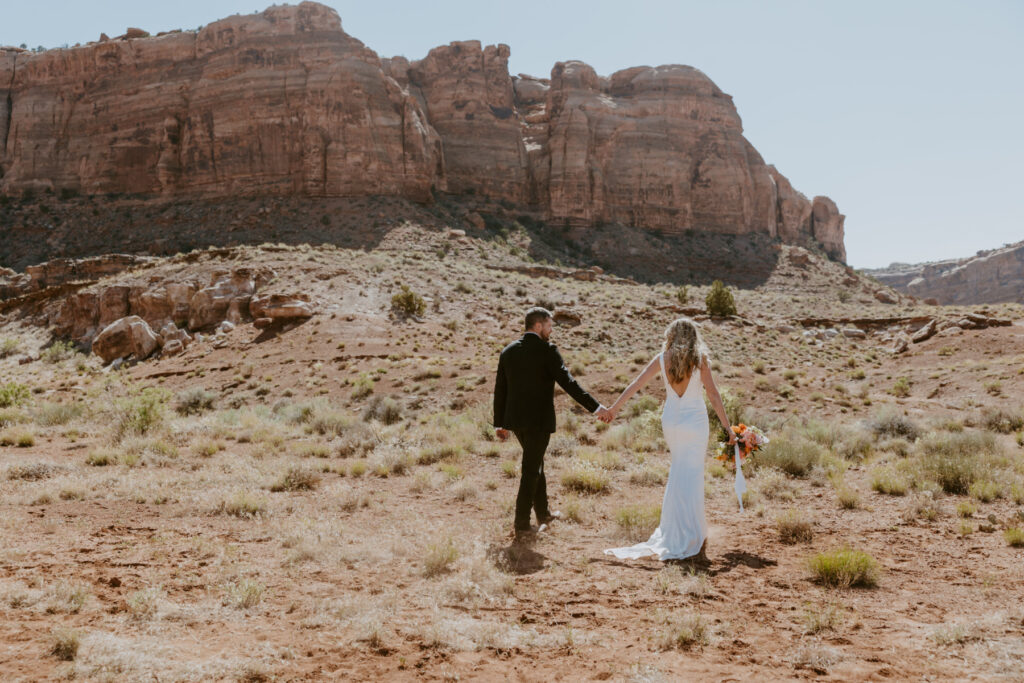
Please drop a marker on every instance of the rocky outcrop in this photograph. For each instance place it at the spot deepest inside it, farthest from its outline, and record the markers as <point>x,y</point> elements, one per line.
<point>130,336</point>
<point>286,103</point>
<point>992,276</point>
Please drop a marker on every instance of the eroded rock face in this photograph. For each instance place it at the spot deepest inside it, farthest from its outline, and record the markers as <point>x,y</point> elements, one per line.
<point>286,103</point>
<point>989,277</point>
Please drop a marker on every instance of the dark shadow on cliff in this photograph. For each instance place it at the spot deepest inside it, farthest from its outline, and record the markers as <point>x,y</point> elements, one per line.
<point>47,227</point>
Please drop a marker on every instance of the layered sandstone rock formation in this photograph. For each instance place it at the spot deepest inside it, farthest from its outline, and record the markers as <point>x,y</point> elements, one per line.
<point>285,102</point>
<point>992,276</point>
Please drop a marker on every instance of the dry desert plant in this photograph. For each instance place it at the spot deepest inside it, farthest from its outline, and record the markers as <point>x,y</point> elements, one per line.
<point>794,526</point>
<point>844,568</point>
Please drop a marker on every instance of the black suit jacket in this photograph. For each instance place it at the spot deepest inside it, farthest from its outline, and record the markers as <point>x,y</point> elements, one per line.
<point>524,390</point>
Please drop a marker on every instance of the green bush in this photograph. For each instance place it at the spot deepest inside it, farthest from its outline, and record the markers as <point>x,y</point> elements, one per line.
<point>1002,420</point>
<point>955,460</point>
<point>408,302</point>
<point>13,394</point>
<point>790,452</point>
<point>719,300</point>
<point>844,568</point>
<point>140,414</point>
<point>57,352</point>
<point>194,401</point>
<point>383,408</point>
<point>9,346</point>
<point>890,423</point>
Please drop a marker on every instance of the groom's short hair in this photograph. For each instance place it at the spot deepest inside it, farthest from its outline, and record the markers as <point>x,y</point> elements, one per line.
<point>536,315</point>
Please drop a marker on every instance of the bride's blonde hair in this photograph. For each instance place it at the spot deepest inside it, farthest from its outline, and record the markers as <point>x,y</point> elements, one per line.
<point>684,349</point>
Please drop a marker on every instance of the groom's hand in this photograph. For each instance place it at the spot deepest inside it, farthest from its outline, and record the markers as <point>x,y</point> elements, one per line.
<point>604,415</point>
<point>502,434</point>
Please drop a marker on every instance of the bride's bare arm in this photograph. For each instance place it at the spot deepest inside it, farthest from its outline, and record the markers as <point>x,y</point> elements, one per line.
<point>715,398</point>
<point>636,385</point>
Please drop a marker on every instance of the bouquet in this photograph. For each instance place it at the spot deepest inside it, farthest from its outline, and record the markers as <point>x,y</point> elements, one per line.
<point>749,438</point>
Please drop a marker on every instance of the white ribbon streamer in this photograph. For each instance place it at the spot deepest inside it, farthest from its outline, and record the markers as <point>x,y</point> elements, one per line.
<point>741,483</point>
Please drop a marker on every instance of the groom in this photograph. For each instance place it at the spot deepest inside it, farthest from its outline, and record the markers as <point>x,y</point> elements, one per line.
<point>524,405</point>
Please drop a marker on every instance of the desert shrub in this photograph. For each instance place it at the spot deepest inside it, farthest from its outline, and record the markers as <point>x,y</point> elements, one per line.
<point>774,485</point>
<point>890,423</point>
<point>57,352</point>
<point>435,454</point>
<point>140,414</point>
<point>719,301</point>
<point>848,498</point>
<point>683,633</point>
<point>439,557</point>
<point>889,481</point>
<point>1014,536</point>
<point>244,593</point>
<point>794,526</point>
<point>562,446</point>
<point>641,405</point>
<point>844,568</point>
<point>64,643</point>
<point>13,394</point>
<point>585,478</point>
<point>384,409</point>
<point>32,471</point>
<point>955,460</point>
<point>194,401</point>
<point>242,504</point>
<point>9,346</point>
<point>362,386</point>
<point>326,420</point>
<point>638,522</point>
<point>791,453</point>
<point>55,414</point>
<point>101,457</point>
<point>901,388</point>
<point>985,490</point>
<point>825,617</point>
<point>407,302</point>
<point>21,438</point>
<point>10,417</point>
<point>683,295</point>
<point>648,476</point>
<point>1002,420</point>
<point>296,479</point>
<point>965,509</point>
<point>734,410</point>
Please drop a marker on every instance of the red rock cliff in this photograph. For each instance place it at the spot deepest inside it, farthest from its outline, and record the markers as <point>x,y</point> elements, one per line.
<point>285,102</point>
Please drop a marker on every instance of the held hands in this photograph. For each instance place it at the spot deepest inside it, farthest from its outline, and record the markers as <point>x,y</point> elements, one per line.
<point>605,415</point>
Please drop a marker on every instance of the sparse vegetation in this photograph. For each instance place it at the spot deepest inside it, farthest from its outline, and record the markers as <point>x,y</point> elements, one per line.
<point>720,301</point>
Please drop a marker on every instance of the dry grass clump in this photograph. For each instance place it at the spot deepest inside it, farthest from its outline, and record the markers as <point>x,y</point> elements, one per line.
<point>194,401</point>
<point>848,497</point>
<point>101,457</point>
<point>794,526</point>
<point>774,485</point>
<point>922,506</point>
<point>242,504</point>
<point>844,568</point>
<point>792,452</point>
<point>64,644</point>
<point>683,632</point>
<point>439,557</point>
<point>892,424</point>
<point>824,617</point>
<point>296,479</point>
<point>985,490</point>
<point>648,476</point>
<point>586,478</point>
<point>638,522</point>
<point>9,346</point>
<point>67,598</point>
<point>57,414</point>
<point>33,471</point>
<point>439,453</point>
<point>954,460</point>
<point>889,480</point>
<point>1002,420</point>
<point>383,409</point>
<point>243,594</point>
<point>143,604</point>
<point>14,436</point>
<point>140,414</point>
<point>1014,536</point>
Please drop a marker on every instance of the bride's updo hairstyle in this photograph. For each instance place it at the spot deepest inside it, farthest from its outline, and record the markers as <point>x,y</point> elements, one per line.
<point>684,349</point>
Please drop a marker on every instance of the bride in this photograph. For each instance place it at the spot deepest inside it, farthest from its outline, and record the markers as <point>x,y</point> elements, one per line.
<point>683,529</point>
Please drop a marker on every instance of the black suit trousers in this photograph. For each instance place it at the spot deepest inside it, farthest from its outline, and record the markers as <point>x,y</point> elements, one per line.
<point>533,490</point>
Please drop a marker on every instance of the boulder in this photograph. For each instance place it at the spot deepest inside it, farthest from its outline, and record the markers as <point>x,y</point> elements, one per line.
<point>129,336</point>
<point>173,348</point>
<point>569,318</point>
<point>281,306</point>
<point>854,333</point>
<point>212,304</point>
<point>885,296</point>
<point>926,332</point>
<point>171,332</point>
<point>901,344</point>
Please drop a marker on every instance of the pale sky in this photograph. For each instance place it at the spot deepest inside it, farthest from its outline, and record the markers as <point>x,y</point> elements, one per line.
<point>906,113</point>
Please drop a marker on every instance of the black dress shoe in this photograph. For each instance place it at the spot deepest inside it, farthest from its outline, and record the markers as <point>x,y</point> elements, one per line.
<point>551,516</point>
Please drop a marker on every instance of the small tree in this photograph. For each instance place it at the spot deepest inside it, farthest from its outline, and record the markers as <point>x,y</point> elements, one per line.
<point>719,300</point>
<point>408,302</point>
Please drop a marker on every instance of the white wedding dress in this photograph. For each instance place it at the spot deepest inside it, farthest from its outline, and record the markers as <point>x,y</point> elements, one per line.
<point>683,527</point>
